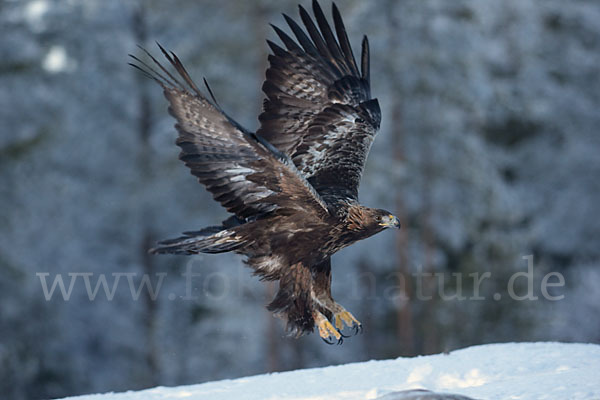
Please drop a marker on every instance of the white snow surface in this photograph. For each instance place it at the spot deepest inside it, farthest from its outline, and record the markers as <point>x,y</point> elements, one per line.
<point>493,371</point>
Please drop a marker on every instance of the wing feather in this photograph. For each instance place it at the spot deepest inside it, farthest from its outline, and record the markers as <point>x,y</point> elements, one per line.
<point>332,44</point>
<point>365,63</point>
<point>343,39</point>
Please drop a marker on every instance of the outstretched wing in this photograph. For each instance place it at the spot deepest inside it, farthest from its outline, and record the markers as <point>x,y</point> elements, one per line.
<point>246,174</point>
<point>319,109</point>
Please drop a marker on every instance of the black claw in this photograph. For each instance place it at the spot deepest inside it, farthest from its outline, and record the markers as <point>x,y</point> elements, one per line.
<point>340,340</point>
<point>358,328</point>
<point>327,341</point>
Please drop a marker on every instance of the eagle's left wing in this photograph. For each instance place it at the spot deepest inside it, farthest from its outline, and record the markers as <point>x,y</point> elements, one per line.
<point>319,109</point>
<point>246,174</point>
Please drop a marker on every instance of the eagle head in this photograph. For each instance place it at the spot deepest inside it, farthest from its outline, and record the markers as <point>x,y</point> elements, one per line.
<point>371,220</point>
<point>385,219</point>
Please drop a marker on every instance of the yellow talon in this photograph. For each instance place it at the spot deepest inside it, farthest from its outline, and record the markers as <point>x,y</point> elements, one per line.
<point>326,330</point>
<point>345,318</point>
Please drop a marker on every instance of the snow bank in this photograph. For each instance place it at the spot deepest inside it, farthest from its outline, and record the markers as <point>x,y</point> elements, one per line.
<point>495,371</point>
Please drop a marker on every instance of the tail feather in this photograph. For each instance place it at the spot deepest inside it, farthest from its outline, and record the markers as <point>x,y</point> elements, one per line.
<point>213,239</point>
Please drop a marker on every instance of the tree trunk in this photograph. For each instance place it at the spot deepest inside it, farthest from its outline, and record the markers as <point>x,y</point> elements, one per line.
<point>404,318</point>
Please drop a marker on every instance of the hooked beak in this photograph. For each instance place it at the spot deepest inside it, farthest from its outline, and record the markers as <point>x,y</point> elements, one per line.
<point>390,221</point>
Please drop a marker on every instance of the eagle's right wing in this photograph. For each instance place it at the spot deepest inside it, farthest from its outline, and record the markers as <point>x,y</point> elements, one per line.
<point>319,108</point>
<point>247,175</point>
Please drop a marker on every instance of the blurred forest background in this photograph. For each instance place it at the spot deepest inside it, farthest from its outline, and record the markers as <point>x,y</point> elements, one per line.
<point>488,152</point>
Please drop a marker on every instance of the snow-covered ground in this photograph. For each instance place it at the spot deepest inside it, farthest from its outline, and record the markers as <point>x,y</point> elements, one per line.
<point>497,371</point>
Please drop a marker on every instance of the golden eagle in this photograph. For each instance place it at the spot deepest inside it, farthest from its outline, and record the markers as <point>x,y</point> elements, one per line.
<point>292,186</point>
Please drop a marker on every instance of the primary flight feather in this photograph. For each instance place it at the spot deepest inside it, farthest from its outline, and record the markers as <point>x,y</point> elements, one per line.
<point>291,187</point>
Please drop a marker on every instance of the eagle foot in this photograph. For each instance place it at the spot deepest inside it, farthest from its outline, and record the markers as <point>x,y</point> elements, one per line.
<point>344,319</point>
<point>327,331</point>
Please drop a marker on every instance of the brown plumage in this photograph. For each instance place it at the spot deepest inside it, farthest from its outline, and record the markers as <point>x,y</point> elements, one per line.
<point>291,187</point>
